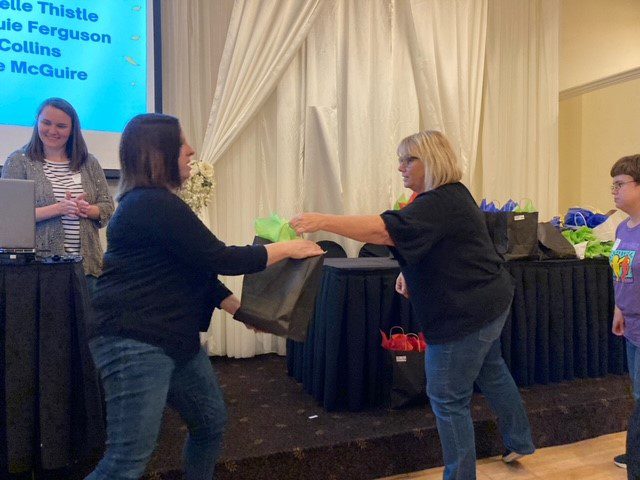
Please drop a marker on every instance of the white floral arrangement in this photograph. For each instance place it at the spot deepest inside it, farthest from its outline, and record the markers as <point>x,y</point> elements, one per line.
<point>197,190</point>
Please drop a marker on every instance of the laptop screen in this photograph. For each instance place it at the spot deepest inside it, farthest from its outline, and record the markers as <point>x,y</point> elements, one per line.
<point>17,215</point>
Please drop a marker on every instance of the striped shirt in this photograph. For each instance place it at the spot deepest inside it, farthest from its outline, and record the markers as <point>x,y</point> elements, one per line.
<point>64,180</point>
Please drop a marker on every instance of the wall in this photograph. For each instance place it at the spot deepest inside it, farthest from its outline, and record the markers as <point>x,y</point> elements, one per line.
<point>596,129</point>
<point>598,38</point>
<point>569,153</point>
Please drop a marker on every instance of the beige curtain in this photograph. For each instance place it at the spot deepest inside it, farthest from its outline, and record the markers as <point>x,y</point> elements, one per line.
<point>193,39</point>
<point>449,47</point>
<point>262,38</point>
<point>319,142</point>
<point>520,125</point>
<point>242,140</point>
<point>316,127</point>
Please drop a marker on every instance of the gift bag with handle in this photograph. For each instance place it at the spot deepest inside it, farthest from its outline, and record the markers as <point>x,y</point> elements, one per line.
<point>514,234</point>
<point>405,379</point>
<point>281,298</point>
<point>513,228</point>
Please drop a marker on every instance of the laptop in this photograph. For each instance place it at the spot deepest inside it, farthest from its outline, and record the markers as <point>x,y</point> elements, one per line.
<point>17,216</point>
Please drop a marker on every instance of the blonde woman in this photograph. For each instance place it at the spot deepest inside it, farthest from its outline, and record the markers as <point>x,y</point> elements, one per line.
<point>460,292</point>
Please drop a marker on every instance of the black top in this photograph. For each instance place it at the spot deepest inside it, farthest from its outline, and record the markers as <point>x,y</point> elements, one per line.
<point>457,282</point>
<point>159,284</point>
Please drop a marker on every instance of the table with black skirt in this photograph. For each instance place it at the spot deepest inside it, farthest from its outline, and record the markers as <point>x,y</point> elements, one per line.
<point>51,414</point>
<point>559,328</point>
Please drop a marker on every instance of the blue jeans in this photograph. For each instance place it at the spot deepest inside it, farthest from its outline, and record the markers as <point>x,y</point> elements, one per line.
<point>139,379</point>
<point>633,361</point>
<point>451,369</point>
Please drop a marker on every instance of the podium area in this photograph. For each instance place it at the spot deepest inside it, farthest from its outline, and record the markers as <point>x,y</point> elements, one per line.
<point>559,328</point>
<point>51,414</point>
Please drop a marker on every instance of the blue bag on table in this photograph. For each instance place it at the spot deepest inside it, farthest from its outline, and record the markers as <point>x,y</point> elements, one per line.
<point>577,217</point>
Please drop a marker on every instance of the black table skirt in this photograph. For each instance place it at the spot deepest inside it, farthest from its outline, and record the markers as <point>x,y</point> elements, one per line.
<point>560,323</point>
<point>50,409</point>
<point>559,328</point>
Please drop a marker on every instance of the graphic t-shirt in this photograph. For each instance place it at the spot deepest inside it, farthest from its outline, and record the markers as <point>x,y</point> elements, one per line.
<point>625,263</point>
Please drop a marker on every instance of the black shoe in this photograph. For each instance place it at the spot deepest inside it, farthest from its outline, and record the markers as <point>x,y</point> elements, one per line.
<point>620,460</point>
<point>508,456</point>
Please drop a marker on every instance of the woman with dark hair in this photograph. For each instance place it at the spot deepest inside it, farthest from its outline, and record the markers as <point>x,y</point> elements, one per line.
<point>72,197</point>
<point>459,290</point>
<point>158,288</point>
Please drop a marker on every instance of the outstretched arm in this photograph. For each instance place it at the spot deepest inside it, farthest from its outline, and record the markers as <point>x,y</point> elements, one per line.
<point>363,228</point>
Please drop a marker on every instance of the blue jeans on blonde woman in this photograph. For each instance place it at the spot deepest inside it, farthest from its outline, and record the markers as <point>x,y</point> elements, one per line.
<point>139,379</point>
<point>452,368</point>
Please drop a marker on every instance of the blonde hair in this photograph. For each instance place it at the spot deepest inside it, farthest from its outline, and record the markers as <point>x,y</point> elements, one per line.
<point>434,150</point>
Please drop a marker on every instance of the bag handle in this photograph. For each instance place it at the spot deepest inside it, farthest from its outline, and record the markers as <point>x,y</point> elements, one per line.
<point>576,226</point>
<point>396,326</point>
<point>495,203</point>
<point>417,338</point>
<point>591,208</point>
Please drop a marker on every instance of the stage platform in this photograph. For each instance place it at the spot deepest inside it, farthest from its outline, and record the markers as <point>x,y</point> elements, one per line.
<point>277,431</point>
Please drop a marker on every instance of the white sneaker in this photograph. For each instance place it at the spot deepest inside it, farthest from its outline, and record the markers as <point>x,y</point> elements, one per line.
<point>620,460</point>
<point>509,456</point>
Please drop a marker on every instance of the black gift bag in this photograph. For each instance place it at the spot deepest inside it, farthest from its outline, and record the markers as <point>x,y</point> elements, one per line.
<point>552,243</point>
<point>281,299</point>
<point>514,234</point>
<point>406,379</point>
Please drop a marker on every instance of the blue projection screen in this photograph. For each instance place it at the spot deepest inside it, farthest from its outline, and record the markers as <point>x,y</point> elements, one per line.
<point>97,54</point>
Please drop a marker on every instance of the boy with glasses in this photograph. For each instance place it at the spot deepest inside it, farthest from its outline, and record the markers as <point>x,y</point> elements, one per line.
<point>625,263</point>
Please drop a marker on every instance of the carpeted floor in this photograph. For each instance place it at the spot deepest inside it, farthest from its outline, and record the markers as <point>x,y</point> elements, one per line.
<point>277,431</point>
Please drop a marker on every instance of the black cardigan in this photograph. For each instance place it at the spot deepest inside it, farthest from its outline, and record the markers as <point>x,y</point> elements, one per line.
<point>159,283</point>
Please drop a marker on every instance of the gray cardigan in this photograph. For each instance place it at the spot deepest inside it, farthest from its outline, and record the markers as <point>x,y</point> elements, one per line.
<point>49,233</point>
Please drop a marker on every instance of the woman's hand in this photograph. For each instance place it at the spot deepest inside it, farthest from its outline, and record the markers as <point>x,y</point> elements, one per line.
<point>618,322</point>
<point>231,304</point>
<point>363,228</point>
<point>306,222</point>
<point>291,249</point>
<point>68,206</point>
<point>83,206</point>
<point>303,248</point>
<point>401,286</point>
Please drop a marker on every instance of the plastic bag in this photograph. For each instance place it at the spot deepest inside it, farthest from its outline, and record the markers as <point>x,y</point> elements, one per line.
<point>606,231</point>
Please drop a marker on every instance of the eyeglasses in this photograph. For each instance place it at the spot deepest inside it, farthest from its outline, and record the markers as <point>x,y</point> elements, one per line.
<point>406,161</point>
<point>615,186</point>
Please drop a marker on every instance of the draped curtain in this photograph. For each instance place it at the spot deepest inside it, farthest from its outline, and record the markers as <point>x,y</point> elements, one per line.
<point>194,34</point>
<point>449,51</point>
<point>311,100</point>
<point>520,104</point>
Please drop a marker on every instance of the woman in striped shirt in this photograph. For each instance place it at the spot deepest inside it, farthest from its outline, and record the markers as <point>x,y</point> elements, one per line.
<point>72,198</point>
